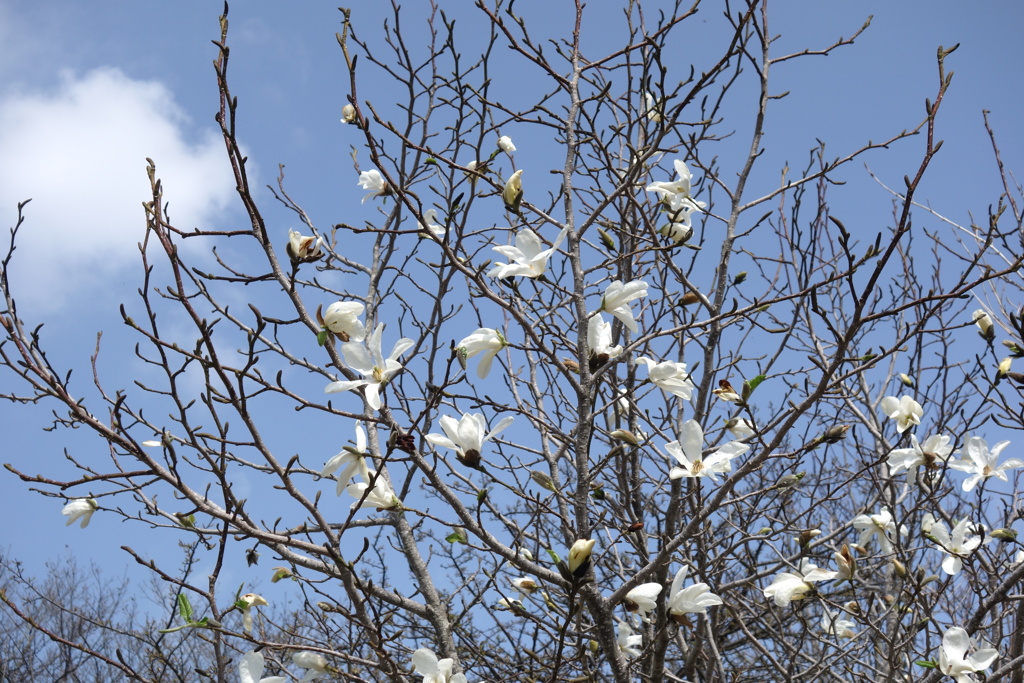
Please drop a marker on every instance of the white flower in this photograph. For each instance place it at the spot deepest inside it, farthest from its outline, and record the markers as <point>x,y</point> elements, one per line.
<point>953,659</point>
<point>505,144</point>
<point>348,114</point>
<point>369,361</point>
<point>847,563</point>
<point>693,599</point>
<point>905,410</point>
<point>350,460</point>
<point>788,586</point>
<point>302,247</point>
<point>430,225</point>
<point>524,586</point>
<point>314,663</point>
<point>986,328</point>
<point>679,230</point>
<point>688,451</point>
<point>932,453</point>
<point>676,195</point>
<point>628,643</point>
<point>956,544</point>
<point>579,554</point>
<point>250,669</point>
<point>670,377</point>
<point>374,182</point>
<point>526,258</point>
<point>599,340</point>
<point>342,318</point>
<point>836,625</point>
<point>80,509</point>
<point>617,297</point>
<point>485,341</point>
<point>466,436</point>
<point>643,598</point>
<point>513,192</point>
<point>251,600</point>
<point>740,428</point>
<point>881,525</point>
<point>652,108</point>
<point>382,496</point>
<point>981,463</point>
<point>435,670</point>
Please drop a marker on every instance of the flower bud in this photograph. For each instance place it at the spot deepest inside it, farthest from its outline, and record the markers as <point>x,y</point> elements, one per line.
<point>579,556</point>
<point>907,380</point>
<point>505,144</point>
<point>986,328</point>
<point>348,115</point>
<point>1004,534</point>
<point>513,192</point>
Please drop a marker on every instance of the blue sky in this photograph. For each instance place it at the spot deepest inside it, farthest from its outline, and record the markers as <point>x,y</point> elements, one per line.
<point>88,91</point>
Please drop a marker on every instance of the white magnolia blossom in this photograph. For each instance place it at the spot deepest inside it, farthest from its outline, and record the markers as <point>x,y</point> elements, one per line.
<point>905,410</point>
<point>694,599</point>
<point>381,497</point>
<point>435,670</point>
<point>881,525</point>
<point>932,453</point>
<point>677,195</point>
<point>652,108</point>
<point>369,361</point>
<point>688,452</point>
<point>313,662</point>
<point>430,225</point>
<point>80,509</point>
<point>512,193</point>
<point>954,660</point>
<point>250,669</point>
<point>342,317</point>
<point>505,144</point>
<point>679,230</point>
<point>957,544</point>
<point>525,586</point>
<point>836,625</point>
<point>629,644</point>
<point>670,377</point>
<point>986,328</point>
<point>789,586</point>
<point>740,428</point>
<point>847,563</point>
<point>351,461</point>
<point>643,598</point>
<point>617,298</point>
<point>374,182</point>
<point>599,341</point>
<point>251,600</point>
<point>485,341</point>
<point>304,247</point>
<point>527,258</point>
<point>580,553</point>
<point>982,463</point>
<point>466,436</point>
<point>348,114</point>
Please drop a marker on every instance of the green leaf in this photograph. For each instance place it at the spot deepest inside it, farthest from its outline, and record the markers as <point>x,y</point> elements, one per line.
<point>482,496</point>
<point>749,386</point>
<point>927,664</point>
<point>455,537</point>
<point>554,556</point>
<point>321,337</point>
<point>184,607</point>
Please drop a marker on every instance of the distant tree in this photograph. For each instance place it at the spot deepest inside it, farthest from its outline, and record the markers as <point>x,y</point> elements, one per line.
<point>644,416</point>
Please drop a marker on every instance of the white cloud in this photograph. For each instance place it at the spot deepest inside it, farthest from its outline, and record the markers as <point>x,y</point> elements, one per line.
<point>79,151</point>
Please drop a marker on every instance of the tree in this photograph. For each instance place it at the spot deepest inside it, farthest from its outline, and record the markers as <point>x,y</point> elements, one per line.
<point>587,443</point>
